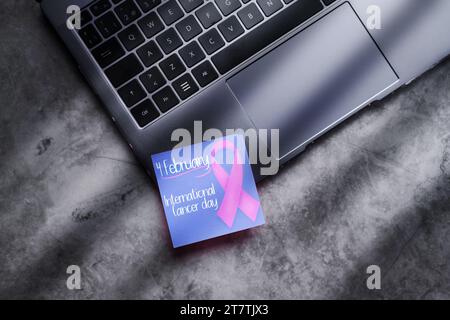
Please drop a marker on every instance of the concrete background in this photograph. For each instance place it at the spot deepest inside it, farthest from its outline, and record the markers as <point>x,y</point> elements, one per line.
<point>376,190</point>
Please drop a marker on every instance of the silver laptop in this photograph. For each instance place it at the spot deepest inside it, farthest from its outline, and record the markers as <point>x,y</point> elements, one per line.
<point>299,66</point>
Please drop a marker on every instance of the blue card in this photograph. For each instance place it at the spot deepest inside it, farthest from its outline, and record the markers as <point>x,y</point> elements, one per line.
<point>207,190</point>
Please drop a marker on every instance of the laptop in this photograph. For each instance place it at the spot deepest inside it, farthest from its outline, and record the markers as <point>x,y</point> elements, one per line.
<point>297,66</point>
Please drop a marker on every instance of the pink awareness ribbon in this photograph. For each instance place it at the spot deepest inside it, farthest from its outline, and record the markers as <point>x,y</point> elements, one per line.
<point>235,197</point>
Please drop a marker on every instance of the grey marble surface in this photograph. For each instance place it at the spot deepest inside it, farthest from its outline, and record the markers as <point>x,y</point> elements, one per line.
<point>376,190</point>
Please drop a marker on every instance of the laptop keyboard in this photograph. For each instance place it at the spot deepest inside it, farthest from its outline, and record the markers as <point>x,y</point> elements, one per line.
<point>158,54</point>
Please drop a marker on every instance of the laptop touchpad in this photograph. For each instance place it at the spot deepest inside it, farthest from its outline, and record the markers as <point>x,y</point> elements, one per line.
<point>313,80</point>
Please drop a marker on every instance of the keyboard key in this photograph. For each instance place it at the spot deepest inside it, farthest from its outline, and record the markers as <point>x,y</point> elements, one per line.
<point>90,36</point>
<point>152,80</point>
<point>172,67</point>
<point>190,5</point>
<point>228,6</point>
<point>108,52</point>
<point>149,53</point>
<point>231,28</point>
<point>250,16</point>
<point>170,12</point>
<point>108,24</point>
<point>99,7</point>
<point>131,37</point>
<point>268,32</point>
<point>189,28</point>
<point>124,70</point>
<point>205,73</point>
<point>147,5</point>
<point>185,86</point>
<point>269,7</point>
<point>165,99</point>
<point>192,54</point>
<point>86,17</point>
<point>169,40</point>
<point>151,24</point>
<point>144,113</point>
<point>211,41</point>
<point>132,93</point>
<point>127,12</point>
<point>208,15</point>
